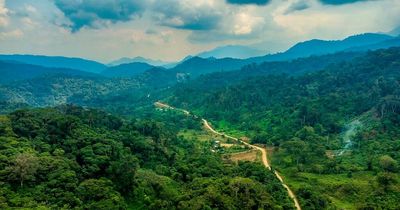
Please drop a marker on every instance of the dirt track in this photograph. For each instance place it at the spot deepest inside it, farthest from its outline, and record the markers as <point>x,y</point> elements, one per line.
<point>263,150</point>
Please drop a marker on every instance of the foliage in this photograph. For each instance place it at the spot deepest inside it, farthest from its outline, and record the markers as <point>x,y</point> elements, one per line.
<point>310,118</point>
<point>72,157</point>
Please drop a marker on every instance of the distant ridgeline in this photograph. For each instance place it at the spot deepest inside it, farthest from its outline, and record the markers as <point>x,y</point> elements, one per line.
<point>213,61</point>
<point>42,86</point>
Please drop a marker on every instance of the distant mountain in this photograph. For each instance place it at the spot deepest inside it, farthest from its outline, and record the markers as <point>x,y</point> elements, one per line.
<point>296,67</point>
<point>231,51</point>
<point>395,31</point>
<point>12,71</point>
<point>51,90</point>
<point>196,66</point>
<point>191,67</point>
<point>126,70</point>
<point>139,60</point>
<point>321,47</point>
<point>395,42</point>
<point>57,62</point>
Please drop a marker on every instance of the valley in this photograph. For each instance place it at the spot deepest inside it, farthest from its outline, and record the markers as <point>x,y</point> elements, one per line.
<point>263,151</point>
<point>320,149</point>
<point>315,126</point>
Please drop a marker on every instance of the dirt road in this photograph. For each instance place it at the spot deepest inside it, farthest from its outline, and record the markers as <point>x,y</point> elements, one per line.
<point>263,150</point>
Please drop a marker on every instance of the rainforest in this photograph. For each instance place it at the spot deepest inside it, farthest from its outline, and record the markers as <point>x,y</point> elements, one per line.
<point>211,104</point>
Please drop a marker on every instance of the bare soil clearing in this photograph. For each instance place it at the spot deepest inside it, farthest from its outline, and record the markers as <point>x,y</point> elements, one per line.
<point>244,156</point>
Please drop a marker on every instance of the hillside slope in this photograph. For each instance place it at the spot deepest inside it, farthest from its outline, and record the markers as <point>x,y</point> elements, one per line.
<point>326,126</point>
<point>359,43</point>
<point>13,71</point>
<point>126,70</point>
<point>57,62</point>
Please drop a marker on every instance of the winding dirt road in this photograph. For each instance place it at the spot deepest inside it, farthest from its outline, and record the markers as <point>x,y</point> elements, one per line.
<point>261,149</point>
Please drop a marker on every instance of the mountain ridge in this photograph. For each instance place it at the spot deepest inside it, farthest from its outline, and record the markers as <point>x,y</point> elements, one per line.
<point>314,47</point>
<point>138,59</point>
<point>57,62</point>
<point>231,51</point>
<point>126,70</point>
<point>12,71</point>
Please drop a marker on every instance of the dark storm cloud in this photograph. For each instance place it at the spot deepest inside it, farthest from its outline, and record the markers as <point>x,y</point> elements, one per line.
<point>196,23</point>
<point>257,2</point>
<point>94,13</point>
<point>339,2</point>
<point>175,14</point>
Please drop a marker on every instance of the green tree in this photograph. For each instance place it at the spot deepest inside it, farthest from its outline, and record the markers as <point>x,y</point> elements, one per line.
<point>296,149</point>
<point>24,167</point>
<point>387,163</point>
<point>100,194</point>
<point>386,179</point>
<point>123,172</point>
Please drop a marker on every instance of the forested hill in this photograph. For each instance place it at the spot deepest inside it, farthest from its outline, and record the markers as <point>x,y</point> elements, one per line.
<point>74,158</point>
<point>52,89</point>
<point>56,62</point>
<point>294,67</point>
<point>342,122</point>
<point>327,98</point>
<point>50,86</point>
<point>12,72</point>
<point>126,70</point>
<point>358,43</point>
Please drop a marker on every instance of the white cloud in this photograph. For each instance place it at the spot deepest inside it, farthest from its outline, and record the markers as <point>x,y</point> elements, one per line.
<point>333,22</point>
<point>3,14</point>
<point>245,23</point>
<point>28,23</point>
<point>31,9</point>
<point>15,34</point>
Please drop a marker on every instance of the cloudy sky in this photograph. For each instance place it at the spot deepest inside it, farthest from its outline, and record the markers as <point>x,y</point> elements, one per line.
<point>105,30</point>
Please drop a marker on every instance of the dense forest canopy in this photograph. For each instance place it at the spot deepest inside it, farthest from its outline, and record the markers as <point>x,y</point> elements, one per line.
<point>71,157</point>
<point>343,119</point>
<point>327,98</point>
